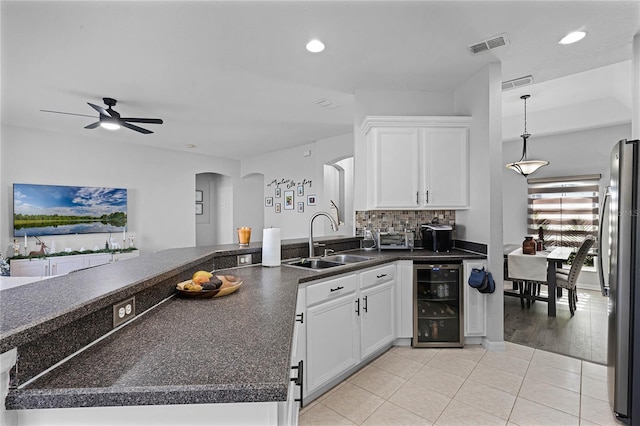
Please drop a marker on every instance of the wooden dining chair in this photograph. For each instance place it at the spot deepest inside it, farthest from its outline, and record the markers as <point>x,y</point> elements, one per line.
<point>568,280</point>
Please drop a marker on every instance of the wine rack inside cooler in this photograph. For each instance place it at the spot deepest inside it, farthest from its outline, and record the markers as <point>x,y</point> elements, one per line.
<point>437,306</point>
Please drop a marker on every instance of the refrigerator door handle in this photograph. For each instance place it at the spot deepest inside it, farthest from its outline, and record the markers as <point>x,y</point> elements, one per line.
<point>607,197</point>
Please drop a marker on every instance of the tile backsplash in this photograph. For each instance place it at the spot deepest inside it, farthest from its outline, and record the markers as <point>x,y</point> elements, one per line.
<point>399,220</point>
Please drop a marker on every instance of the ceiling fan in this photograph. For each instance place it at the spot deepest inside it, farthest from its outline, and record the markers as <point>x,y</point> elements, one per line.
<point>110,119</point>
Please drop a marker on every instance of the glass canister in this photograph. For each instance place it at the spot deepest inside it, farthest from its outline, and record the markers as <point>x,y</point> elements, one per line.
<point>528,245</point>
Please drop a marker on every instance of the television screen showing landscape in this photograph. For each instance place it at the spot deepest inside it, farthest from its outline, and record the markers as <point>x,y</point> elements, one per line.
<point>64,210</point>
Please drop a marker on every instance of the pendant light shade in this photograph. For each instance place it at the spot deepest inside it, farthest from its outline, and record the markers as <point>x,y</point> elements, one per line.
<point>523,166</point>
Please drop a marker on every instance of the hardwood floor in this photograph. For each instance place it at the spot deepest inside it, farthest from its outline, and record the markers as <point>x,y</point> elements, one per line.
<point>582,336</point>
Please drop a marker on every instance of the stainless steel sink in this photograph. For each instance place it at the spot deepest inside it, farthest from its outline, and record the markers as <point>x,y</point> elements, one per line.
<point>346,258</point>
<point>326,261</point>
<point>313,263</point>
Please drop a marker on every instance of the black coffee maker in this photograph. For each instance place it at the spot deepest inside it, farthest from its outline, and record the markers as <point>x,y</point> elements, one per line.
<point>436,237</point>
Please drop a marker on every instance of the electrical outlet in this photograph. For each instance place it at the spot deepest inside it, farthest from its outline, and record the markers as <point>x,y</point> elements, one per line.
<point>244,259</point>
<point>124,311</point>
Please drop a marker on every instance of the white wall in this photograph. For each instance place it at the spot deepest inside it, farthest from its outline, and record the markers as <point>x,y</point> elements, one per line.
<point>248,202</point>
<point>578,153</point>
<point>481,98</point>
<point>296,164</point>
<point>160,183</point>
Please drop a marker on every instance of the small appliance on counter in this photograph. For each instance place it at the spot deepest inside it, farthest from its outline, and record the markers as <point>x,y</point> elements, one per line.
<point>402,240</point>
<point>436,237</point>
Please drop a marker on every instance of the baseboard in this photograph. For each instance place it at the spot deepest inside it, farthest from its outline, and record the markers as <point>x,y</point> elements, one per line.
<point>494,346</point>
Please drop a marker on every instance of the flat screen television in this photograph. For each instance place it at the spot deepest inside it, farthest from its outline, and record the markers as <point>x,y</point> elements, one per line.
<point>66,210</point>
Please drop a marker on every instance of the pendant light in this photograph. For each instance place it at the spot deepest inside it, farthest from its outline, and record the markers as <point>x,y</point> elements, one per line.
<point>523,166</point>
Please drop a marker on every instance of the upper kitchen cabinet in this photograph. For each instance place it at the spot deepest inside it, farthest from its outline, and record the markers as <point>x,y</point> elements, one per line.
<point>417,162</point>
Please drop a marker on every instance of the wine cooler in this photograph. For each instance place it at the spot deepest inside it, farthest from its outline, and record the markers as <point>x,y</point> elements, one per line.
<point>437,306</point>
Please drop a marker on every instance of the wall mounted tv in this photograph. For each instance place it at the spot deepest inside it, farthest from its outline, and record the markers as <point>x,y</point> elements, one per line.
<point>67,210</point>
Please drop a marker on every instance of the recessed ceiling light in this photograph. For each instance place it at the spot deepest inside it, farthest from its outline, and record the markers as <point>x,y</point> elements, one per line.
<point>191,146</point>
<point>573,37</point>
<point>315,46</point>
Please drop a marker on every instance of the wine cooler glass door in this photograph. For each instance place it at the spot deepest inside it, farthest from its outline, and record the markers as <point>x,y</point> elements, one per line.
<point>437,306</point>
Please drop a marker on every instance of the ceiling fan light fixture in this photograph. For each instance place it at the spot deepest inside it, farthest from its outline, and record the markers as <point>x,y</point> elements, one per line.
<point>573,37</point>
<point>523,166</point>
<point>109,124</point>
<point>315,46</point>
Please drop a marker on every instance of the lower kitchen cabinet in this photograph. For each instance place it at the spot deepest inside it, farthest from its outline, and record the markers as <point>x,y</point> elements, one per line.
<point>65,264</point>
<point>59,265</point>
<point>347,321</point>
<point>377,313</point>
<point>332,333</point>
<point>30,268</point>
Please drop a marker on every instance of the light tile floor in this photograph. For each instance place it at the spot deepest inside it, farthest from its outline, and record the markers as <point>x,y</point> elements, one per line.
<point>470,386</point>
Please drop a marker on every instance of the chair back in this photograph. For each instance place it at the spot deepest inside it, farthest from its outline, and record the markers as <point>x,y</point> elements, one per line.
<point>578,261</point>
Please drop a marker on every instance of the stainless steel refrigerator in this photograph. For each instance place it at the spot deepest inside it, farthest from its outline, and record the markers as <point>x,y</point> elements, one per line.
<point>619,254</point>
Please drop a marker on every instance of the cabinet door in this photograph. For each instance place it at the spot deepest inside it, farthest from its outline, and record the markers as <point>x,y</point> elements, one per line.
<point>475,304</point>
<point>445,167</point>
<point>377,318</point>
<point>96,259</point>
<point>396,167</point>
<point>30,268</point>
<point>65,264</point>
<point>332,340</point>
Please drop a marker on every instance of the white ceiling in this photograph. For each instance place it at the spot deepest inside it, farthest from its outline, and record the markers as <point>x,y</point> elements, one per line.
<point>233,77</point>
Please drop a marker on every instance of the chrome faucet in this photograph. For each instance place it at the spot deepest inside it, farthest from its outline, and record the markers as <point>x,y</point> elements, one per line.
<point>334,227</point>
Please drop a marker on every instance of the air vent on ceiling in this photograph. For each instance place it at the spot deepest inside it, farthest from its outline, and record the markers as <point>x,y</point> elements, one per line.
<point>326,103</point>
<point>517,82</point>
<point>488,44</point>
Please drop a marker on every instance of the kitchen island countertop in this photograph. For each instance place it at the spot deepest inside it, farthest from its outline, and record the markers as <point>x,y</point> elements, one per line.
<point>187,351</point>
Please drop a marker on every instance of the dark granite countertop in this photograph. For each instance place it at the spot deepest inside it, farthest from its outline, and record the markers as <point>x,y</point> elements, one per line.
<point>230,349</point>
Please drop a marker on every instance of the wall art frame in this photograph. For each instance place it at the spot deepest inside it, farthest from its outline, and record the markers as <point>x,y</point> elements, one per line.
<point>268,201</point>
<point>311,200</point>
<point>288,200</point>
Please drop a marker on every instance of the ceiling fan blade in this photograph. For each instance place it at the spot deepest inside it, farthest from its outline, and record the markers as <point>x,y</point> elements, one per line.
<point>98,108</point>
<point>136,128</point>
<point>92,125</point>
<point>67,113</point>
<point>143,120</point>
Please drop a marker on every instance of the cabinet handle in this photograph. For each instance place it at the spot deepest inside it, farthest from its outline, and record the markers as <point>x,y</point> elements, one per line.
<point>300,318</point>
<point>337,288</point>
<point>381,275</point>
<point>417,197</point>
<point>426,194</point>
<point>364,308</point>
<point>299,379</point>
<point>358,307</point>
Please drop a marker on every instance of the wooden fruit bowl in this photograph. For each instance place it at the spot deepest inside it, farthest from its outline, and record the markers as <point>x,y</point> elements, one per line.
<point>230,283</point>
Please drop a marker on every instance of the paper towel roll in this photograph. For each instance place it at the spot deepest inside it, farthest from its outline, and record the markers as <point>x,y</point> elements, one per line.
<point>271,247</point>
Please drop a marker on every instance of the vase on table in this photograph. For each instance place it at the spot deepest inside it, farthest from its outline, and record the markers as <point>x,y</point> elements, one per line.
<point>528,245</point>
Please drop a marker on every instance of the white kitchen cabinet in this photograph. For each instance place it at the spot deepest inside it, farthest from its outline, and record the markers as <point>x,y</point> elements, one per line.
<point>65,264</point>
<point>117,257</point>
<point>475,303</point>
<point>97,259</point>
<point>418,162</point>
<point>332,335</point>
<point>58,265</point>
<point>30,268</point>
<point>377,318</point>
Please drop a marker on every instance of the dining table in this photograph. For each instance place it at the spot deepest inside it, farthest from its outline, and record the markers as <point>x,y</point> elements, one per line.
<point>540,267</point>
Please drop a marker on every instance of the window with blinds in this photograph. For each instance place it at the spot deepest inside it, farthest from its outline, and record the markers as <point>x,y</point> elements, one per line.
<point>566,208</point>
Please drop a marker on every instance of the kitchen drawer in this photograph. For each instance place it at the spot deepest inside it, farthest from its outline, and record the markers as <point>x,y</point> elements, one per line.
<point>331,289</point>
<point>378,275</point>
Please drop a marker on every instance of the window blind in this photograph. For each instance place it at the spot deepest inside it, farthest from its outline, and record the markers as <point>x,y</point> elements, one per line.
<point>565,207</point>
